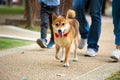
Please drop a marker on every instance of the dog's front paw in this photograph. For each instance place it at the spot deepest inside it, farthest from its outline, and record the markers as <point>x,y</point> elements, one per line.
<point>62,60</point>
<point>66,65</point>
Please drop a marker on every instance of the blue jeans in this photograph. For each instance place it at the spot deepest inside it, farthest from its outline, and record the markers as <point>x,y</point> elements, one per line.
<point>116,20</point>
<point>92,32</point>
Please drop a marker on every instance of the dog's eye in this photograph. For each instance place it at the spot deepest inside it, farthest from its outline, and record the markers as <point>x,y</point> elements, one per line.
<point>56,24</point>
<point>63,24</point>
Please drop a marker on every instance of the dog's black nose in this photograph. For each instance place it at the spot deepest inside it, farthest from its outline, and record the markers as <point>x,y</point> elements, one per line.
<point>59,31</point>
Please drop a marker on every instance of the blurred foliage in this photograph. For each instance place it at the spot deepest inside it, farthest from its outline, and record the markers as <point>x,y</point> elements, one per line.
<point>11,10</point>
<point>115,76</point>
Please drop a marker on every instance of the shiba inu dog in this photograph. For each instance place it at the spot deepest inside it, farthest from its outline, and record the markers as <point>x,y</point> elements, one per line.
<point>66,32</point>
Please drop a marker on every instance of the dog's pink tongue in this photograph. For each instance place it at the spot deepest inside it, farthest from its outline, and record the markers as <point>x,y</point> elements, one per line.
<point>60,34</point>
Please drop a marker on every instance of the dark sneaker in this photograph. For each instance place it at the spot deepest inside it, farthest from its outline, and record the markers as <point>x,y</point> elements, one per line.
<point>42,43</point>
<point>51,44</point>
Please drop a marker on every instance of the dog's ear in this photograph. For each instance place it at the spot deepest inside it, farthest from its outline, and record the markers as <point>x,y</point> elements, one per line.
<point>54,16</point>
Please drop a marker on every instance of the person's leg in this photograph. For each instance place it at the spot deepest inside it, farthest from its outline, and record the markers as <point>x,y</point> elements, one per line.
<point>56,11</point>
<point>44,26</point>
<point>87,6</point>
<point>117,33</point>
<point>79,6</point>
<point>44,22</point>
<point>95,28</point>
<point>116,22</point>
<point>116,52</point>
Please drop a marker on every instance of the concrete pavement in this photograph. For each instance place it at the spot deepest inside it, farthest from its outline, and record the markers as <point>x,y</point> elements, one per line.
<point>34,63</point>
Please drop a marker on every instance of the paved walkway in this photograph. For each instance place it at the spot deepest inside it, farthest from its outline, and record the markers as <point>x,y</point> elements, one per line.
<point>34,63</point>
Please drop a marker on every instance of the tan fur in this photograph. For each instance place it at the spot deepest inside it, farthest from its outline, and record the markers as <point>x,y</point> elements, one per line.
<point>68,26</point>
<point>71,14</point>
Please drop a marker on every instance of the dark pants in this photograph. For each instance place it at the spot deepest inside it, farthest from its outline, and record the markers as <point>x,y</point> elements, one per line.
<point>46,19</point>
<point>116,20</point>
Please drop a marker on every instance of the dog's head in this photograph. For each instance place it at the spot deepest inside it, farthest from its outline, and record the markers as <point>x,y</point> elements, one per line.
<point>60,25</point>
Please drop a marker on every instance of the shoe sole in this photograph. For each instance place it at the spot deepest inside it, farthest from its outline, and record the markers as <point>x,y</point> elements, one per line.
<point>89,55</point>
<point>113,57</point>
<point>41,44</point>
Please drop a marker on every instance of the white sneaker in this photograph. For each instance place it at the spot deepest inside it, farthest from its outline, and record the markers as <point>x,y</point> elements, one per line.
<point>116,55</point>
<point>82,43</point>
<point>90,52</point>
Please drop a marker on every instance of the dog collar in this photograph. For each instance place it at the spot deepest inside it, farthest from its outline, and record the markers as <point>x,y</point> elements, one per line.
<point>58,36</point>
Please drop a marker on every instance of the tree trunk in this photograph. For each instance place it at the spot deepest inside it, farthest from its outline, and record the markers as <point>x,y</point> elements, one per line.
<point>34,8</point>
<point>29,13</point>
<point>64,6</point>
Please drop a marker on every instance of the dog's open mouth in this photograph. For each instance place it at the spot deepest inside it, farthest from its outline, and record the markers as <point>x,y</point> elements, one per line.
<point>60,34</point>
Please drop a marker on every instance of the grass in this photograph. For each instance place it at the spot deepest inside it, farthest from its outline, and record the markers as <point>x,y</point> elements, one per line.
<point>115,76</point>
<point>11,10</point>
<point>12,43</point>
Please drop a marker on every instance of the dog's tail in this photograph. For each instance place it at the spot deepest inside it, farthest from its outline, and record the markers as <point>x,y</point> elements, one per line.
<point>71,14</point>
